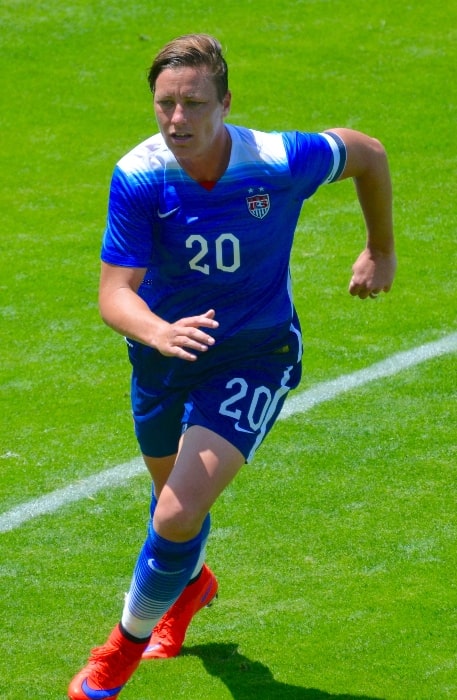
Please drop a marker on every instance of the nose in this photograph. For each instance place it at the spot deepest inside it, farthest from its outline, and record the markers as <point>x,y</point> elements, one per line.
<point>179,116</point>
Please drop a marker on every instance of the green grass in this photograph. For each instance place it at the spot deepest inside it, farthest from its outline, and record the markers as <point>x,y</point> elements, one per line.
<point>336,549</point>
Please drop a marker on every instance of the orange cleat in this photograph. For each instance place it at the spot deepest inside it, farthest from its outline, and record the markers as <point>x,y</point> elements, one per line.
<point>108,669</point>
<point>168,635</point>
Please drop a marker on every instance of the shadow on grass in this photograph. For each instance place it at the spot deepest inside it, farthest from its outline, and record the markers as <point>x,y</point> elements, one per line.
<point>246,679</point>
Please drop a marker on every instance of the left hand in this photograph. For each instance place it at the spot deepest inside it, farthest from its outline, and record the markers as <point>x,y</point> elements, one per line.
<point>373,273</point>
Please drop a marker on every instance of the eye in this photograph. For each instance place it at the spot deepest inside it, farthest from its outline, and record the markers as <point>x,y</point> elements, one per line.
<point>166,103</point>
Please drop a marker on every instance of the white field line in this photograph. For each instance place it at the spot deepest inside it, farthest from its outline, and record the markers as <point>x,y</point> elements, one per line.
<point>325,391</point>
<point>299,403</point>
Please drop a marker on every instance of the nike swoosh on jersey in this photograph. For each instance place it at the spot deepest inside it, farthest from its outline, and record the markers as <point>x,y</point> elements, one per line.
<point>165,214</point>
<point>99,694</point>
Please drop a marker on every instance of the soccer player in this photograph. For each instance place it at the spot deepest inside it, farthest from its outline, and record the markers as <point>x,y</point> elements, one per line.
<point>195,274</point>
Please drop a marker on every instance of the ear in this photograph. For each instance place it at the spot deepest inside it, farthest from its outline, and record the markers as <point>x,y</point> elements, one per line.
<point>226,102</point>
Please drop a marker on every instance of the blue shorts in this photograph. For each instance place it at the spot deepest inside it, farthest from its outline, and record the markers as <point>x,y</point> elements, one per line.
<point>237,395</point>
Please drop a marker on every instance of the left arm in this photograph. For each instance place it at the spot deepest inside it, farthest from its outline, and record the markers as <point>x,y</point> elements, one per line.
<point>374,269</point>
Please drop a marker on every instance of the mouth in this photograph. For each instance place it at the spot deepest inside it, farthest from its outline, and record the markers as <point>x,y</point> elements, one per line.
<point>180,138</point>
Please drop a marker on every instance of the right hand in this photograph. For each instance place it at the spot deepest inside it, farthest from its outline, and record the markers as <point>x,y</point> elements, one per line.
<point>179,338</point>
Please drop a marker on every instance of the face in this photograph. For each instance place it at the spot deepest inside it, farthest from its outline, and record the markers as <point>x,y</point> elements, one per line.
<point>189,114</point>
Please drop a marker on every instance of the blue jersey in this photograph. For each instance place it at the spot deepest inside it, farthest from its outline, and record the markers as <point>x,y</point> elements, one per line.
<point>226,248</point>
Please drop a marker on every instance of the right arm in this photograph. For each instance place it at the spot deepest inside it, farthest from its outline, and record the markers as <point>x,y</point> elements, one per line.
<point>122,309</point>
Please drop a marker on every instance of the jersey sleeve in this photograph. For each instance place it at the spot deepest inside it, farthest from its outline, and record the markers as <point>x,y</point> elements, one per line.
<point>128,236</point>
<point>314,159</point>
<point>336,143</point>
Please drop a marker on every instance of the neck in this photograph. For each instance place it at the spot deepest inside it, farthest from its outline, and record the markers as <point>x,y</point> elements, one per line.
<point>211,166</point>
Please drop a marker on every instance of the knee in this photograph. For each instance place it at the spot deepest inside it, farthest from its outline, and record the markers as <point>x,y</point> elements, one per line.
<point>177,523</point>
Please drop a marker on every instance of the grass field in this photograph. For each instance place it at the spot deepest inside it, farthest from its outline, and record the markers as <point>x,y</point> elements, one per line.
<point>336,549</point>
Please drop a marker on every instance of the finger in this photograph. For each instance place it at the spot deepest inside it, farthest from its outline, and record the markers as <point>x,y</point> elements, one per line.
<point>178,351</point>
<point>184,354</point>
<point>207,319</point>
<point>196,322</point>
<point>202,344</point>
<point>357,290</point>
<point>199,337</point>
<point>354,288</point>
<point>183,349</point>
<point>210,313</point>
<point>193,339</point>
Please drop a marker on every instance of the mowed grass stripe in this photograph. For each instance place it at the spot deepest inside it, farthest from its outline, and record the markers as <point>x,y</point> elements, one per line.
<point>297,404</point>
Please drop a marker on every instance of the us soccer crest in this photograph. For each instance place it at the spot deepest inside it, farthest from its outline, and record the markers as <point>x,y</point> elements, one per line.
<point>258,205</point>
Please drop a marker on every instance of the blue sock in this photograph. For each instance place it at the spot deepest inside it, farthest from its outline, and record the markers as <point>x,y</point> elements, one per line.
<point>162,571</point>
<point>202,557</point>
